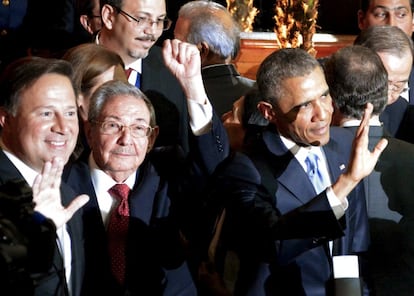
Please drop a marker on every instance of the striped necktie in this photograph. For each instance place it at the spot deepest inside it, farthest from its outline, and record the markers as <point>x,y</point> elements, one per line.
<point>138,79</point>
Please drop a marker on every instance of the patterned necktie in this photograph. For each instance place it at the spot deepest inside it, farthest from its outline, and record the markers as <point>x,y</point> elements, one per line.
<point>117,231</point>
<point>138,80</point>
<point>314,173</point>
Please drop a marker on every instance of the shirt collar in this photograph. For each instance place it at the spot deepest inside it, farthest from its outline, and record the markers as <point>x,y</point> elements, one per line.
<point>136,65</point>
<point>301,152</point>
<point>102,181</point>
<point>357,122</point>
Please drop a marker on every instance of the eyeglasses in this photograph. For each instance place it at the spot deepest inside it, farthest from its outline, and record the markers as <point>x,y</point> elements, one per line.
<point>143,22</point>
<point>114,128</point>
<point>397,87</point>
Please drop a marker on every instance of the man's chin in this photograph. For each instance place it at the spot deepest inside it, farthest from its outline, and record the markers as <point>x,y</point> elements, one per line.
<point>142,53</point>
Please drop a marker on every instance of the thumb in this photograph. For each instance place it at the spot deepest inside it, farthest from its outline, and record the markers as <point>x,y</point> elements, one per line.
<point>379,148</point>
<point>75,205</point>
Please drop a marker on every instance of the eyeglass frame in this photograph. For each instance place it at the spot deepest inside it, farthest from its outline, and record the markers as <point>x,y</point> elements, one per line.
<point>122,127</point>
<point>142,21</point>
<point>393,87</point>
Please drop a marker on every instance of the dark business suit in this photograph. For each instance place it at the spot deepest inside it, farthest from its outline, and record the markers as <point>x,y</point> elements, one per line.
<point>158,208</point>
<point>309,273</point>
<point>254,226</point>
<point>411,85</point>
<point>398,118</point>
<point>167,96</point>
<point>54,282</point>
<point>224,85</point>
<point>393,115</point>
<point>406,129</point>
<point>389,195</point>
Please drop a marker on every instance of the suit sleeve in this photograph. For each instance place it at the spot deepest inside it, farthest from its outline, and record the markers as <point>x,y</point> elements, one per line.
<point>254,220</point>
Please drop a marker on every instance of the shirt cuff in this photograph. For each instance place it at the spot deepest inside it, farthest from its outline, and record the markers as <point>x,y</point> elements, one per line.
<point>201,116</point>
<point>337,206</point>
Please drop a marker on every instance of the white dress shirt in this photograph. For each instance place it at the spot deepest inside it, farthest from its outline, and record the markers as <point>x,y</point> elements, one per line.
<point>300,154</point>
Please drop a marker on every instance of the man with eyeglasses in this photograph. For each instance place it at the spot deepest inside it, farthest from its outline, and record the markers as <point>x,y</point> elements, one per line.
<point>131,29</point>
<point>159,184</point>
<point>398,13</point>
<point>395,49</point>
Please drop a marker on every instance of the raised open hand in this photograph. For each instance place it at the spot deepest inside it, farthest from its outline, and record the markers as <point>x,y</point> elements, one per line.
<point>47,196</point>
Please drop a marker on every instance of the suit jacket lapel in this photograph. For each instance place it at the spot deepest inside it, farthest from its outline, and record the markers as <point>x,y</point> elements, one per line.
<point>335,164</point>
<point>291,170</point>
<point>141,202</point>
<point>7,170</point>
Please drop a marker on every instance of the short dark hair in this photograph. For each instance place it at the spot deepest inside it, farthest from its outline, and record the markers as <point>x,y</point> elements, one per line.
<point>114,3</point>
<point>23,73</point>
<point>356,76</point>
<point>85,7</point>
<point>280,65</point>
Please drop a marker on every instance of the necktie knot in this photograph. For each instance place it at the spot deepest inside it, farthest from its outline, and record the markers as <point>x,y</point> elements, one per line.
<point>314,173</point>
<point>137,79</point>
<point>121,192</point>
<point>128,72</point>
<point>312,164</point>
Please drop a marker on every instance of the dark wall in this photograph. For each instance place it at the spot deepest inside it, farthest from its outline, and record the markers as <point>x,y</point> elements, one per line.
<point>339,17</point>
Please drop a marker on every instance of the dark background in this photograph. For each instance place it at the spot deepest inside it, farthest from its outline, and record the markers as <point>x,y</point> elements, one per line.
<point>336,17</point>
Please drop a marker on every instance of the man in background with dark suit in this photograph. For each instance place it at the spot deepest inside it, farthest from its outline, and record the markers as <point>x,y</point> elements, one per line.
<point>131,29</point>
<point>397,13</point>
<point>39,131</point>
<point>217,35</point>
<point>388,194</point>
<point>395,49</point>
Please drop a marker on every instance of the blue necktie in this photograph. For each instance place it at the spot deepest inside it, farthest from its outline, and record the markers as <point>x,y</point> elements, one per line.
<point>138,81</point>
<point>313,172</point>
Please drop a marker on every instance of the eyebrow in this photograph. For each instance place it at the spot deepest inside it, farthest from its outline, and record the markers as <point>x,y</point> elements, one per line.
<point>113,117</point>
<point>390,8</point>
<point>164,15</point>
<point>325,93</point>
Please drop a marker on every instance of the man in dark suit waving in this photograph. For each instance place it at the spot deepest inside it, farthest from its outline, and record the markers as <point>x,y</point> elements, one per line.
<point>39,132</point>
<point>303,156</point>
